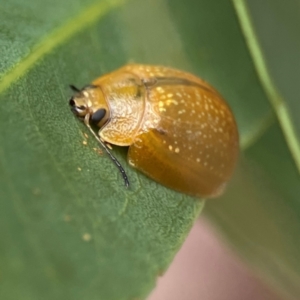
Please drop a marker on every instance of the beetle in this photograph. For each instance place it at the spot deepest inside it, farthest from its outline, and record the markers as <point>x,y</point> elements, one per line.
<point>179,130</point>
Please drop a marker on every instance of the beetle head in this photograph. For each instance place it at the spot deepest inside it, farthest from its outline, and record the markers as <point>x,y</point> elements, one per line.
<point>88,101</point>
<point>80,103</point>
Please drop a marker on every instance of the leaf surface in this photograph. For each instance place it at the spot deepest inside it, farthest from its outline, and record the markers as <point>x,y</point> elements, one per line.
<point>69,229</point>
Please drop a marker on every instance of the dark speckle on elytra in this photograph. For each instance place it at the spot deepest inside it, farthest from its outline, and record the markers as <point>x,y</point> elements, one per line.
<point>161,131</point>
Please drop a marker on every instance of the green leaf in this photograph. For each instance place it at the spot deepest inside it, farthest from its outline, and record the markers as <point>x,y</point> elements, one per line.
<point>69,229</point>
<point>260,215</point>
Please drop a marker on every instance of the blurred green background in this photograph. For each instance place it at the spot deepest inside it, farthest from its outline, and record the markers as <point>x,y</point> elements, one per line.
<point>68,227</point>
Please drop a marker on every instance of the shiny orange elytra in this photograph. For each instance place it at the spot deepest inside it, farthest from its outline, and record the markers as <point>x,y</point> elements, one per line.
<point>179,130</point>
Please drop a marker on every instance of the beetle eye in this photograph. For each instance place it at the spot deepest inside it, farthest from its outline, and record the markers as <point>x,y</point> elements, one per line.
<point>98,115</point>
<point>72,102</point>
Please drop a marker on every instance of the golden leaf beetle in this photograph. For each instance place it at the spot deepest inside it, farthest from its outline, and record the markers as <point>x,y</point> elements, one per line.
<point>179,130</point>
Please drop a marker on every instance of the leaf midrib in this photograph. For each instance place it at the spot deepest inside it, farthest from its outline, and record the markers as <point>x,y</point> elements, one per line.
<point>277,101</point>
<point>84,19</point>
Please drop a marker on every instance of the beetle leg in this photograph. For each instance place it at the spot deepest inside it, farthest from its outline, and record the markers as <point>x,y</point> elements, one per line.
<point>103,144</point>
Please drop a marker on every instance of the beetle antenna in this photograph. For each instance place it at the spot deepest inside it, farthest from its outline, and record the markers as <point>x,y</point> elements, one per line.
<point>116,162</point>
<point>74,88</point>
